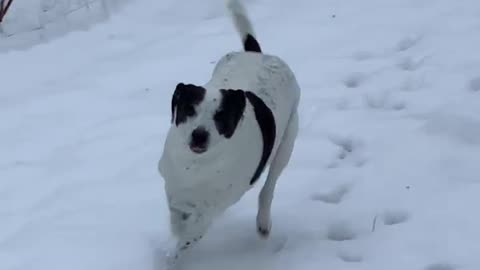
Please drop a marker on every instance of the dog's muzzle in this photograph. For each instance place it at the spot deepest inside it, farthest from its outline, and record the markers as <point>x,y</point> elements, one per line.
<point>199,140</point>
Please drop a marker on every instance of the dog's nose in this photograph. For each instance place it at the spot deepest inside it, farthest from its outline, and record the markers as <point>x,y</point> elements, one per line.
<point>199,140</point>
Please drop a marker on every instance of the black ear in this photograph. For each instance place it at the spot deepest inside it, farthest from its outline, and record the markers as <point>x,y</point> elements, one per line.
<point>230,111</point>
<point>184,100</point>
<point>266,122</point>
<point>176,99</point>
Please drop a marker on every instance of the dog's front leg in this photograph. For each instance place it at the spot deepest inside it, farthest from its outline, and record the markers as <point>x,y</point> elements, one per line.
<point>189,229</point>
<point>183,246</point>
<point>186,243</point>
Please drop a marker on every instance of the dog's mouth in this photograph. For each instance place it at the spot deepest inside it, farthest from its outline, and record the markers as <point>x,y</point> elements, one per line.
<point>198,149</point>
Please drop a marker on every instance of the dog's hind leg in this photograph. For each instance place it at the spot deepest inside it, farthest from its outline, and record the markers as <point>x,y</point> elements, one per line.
<point>279,162</point>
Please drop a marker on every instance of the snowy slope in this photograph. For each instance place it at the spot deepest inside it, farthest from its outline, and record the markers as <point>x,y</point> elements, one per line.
<point>30,22</point>
<point>384,176</point>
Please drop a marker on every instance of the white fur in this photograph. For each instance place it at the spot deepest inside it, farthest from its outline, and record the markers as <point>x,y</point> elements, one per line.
<point>200,187</point>
<point>239,15</point>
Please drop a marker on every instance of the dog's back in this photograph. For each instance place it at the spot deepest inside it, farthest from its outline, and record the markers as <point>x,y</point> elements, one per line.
<point>253,70</point>
<point>268,76</point>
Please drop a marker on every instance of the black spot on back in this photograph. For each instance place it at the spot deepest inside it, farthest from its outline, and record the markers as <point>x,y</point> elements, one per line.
<point>266,121</point>
<point>229,112</point>
<point>251,44</point>
<point>184,100</point>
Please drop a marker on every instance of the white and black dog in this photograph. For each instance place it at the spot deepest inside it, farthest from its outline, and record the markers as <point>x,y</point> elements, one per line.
<point>225,133</point>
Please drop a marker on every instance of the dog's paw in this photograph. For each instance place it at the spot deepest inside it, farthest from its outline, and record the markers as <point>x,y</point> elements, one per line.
<point>264,225</point>
<point>171,259</point>
<point>263,232</point>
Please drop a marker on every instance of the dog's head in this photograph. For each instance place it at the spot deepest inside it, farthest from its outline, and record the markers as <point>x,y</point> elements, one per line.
<point>205,120</point>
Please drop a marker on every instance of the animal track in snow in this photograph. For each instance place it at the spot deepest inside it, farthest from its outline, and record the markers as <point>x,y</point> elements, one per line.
<point>410,64</point>
<point>407,43</point>
<point>349,257</point>
<point>474,84</point>
<point>393,217</point>
<point>383,100</point>
<point>354,80</point>
<point>334,197</point>
<point>440,266</point>
<point>350,151</point>
<point>340,232</point>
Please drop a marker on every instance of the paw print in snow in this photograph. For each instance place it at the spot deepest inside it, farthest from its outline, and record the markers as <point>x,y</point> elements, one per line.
<point>440,266</point>
<point>351,151</point>
<point>340,231</point>
<point>334,197</point>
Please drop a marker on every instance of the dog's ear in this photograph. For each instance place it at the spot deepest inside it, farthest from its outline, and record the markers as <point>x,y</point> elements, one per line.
<point>230,111</point>
<point>184,100</point>
<point>266,122</point>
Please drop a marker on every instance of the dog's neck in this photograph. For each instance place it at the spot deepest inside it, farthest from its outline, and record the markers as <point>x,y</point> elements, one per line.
<point>230,157</point>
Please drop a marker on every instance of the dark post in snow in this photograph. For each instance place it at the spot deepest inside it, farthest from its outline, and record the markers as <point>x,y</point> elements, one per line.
<point>4,6</point>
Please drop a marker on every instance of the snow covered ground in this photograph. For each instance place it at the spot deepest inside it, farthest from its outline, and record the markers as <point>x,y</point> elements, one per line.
<point>385,174</point>
<point>29,22</point>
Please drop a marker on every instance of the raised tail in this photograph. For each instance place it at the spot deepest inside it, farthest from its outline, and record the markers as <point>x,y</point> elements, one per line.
<point>243,25</point>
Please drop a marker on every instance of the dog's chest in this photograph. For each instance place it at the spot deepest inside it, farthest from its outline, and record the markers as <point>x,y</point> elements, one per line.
<point>206,190</point>
<point>211,184</point>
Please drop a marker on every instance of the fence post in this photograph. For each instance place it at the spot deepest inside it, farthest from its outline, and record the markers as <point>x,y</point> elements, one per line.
<point>1,10</point>
<point>4,8</point>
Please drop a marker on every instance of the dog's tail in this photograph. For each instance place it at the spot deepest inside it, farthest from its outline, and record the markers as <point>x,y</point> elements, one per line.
<point>243,25</point>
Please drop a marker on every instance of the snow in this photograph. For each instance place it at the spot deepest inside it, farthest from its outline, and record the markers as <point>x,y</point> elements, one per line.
<point>37,21</point>
<point>384,173</point>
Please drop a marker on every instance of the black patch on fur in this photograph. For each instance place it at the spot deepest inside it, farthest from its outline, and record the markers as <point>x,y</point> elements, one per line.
<point>266,121</point>
<point>251,44</point>
<point>186,216</point>
<point>184,100</point>
<point>229,112</point>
